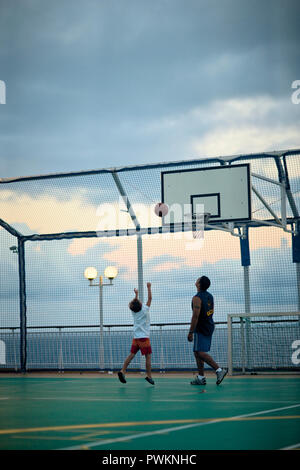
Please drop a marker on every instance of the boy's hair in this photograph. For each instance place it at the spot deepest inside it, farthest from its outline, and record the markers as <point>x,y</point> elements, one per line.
<point>135,305</point>
<point>204,283</point>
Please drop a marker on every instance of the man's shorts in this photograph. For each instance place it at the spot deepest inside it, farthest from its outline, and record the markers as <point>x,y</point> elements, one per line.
<point>142,344</point>
<point>201,342</point>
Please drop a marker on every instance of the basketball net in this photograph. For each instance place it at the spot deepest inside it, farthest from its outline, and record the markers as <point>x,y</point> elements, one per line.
<point>200,223</point>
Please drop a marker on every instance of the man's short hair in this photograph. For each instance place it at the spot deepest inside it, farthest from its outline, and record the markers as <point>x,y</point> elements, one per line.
<point>135,305</point>
<point>204,283</point>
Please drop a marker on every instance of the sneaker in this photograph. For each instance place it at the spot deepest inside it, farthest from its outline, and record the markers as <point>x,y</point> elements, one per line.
<point>221,375</point>
<point>122,377</point>
<point>198,381</point>
<point>149,380</point>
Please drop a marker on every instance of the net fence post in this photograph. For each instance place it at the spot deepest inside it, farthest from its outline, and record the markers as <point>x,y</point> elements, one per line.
<point>243,347</point>
<point>110,349</point>
<point>162,362</point>
<point>60,353</point>
<point>22,298</point>
<point>14,348</point>
<point>245,259</point>
<point>140,267</point>
<point>229,347</point>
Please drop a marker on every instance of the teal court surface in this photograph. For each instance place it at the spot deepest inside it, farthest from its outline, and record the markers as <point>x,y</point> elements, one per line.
<point>69,411</point>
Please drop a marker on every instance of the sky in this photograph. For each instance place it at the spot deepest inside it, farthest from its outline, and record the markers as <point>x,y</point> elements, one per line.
<point>98,84</point>
<point>103,83</point>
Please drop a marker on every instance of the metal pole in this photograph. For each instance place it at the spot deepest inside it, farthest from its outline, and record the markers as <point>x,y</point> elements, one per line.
<point>15,354</point>
<point>140,267</point>
<point>110,349</point>
<point>243,345</point>
<point>245,258</point>
<point>101,345</point>
<point>22,290</point>
<point>229,352</point>
<point>298,283</point>
<point>247,289</point>
<point>60,352</point>
<point>247,320</point>
<point>283,205</point>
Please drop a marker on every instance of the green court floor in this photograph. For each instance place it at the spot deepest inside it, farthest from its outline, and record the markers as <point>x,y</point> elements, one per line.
<point>101,413</point>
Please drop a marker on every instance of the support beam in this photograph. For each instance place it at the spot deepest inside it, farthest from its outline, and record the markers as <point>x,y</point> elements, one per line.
<point>139,236</point>
<point>260,197</point>
<point>10,229</point>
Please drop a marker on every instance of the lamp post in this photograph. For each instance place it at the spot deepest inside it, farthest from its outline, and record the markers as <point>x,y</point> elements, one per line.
<point>110,273</point>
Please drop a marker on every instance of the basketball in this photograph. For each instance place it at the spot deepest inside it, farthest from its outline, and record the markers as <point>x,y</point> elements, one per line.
<point>161,209</point>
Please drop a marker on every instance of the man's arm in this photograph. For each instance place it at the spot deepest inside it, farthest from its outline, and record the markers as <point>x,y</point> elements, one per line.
<point>136,293</point>
<point>149,294</point>
<point>195,317</point>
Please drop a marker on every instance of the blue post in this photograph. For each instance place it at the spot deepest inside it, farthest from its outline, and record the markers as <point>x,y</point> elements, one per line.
<point>245,260</point>
<point>296,258</point>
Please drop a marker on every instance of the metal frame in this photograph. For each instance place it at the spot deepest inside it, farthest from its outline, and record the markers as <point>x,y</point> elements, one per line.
<point>247,316</point>
<point>236,229</point>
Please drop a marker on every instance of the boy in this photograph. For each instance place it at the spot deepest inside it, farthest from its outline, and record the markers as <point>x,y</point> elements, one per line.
<point>141,334</point>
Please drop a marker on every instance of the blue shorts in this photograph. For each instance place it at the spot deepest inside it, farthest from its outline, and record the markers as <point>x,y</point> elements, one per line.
<point>201,342</point>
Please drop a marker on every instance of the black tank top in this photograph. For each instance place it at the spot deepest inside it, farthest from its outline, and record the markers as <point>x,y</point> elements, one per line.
<point>205,323</point>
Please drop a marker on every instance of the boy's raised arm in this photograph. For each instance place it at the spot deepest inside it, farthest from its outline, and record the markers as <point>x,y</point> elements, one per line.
<point>149,294</point>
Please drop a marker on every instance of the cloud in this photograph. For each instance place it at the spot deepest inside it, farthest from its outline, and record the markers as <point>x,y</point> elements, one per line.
<point>47,214</point>
<point>168,253</point>
<point>113,83</point>
<point>241,125</point>
<point>246,138</point>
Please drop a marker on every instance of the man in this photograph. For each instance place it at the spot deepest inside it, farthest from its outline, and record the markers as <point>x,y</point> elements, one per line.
<point>202,328</point>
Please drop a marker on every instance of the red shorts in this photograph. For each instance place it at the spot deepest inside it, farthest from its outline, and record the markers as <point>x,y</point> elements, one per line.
<point>141,343</point>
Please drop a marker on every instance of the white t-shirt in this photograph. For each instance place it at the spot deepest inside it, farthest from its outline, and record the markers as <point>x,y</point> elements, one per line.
<point>141,323</point>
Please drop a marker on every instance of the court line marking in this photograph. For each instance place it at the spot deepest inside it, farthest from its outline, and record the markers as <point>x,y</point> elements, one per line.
<point>79,427</point>
<point>178,428</point>
<point>92,426</point>
<point>157,400</point>
<point>87,436</point>
<point>294,446</point>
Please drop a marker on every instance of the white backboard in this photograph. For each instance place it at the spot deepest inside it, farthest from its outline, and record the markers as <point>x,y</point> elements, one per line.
<point>225,193</point>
